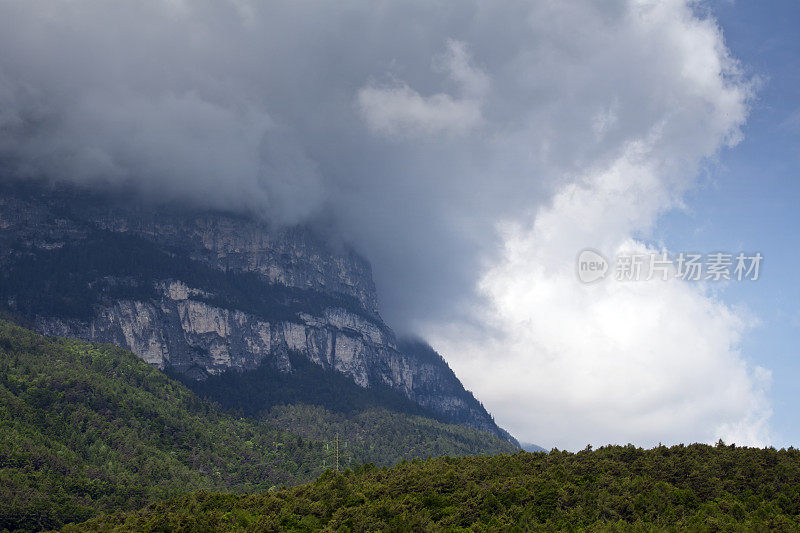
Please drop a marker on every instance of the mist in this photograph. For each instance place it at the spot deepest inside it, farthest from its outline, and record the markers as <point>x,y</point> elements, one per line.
<point>412,128</point>
<point>467,149</point>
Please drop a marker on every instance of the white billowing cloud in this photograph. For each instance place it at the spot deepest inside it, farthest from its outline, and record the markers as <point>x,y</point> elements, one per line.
<point>614,361</point>
<point>608,362</point>
<point>411,129</point>
<point>400,111</point>
<point>643,362</point>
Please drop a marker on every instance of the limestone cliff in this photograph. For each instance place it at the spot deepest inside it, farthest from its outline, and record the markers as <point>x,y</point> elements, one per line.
<point>199,293</point>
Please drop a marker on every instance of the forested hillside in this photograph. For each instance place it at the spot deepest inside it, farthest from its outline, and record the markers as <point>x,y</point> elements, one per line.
<point>86,427</point>
<point>308,383</point>
<point>697,487</point>
<point>384,437</point>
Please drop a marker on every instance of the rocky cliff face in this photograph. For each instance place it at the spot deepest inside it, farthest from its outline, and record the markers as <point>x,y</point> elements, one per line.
<point>199,293</point>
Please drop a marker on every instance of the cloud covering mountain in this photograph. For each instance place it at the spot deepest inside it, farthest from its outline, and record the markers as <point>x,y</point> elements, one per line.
<point>468,149</point>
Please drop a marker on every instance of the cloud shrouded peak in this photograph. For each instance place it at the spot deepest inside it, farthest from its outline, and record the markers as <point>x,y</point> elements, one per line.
<point>414,125</point>
<point>422,131</point>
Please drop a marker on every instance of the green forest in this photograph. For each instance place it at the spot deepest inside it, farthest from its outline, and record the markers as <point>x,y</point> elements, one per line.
<point>90,434</point>
<point>90,427</point>
<point>614,488</point>
<point>307,383</point>
<point>384,437</point>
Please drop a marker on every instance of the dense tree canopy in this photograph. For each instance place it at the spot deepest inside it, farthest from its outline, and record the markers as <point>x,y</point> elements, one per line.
<point>86,427</point>
<point>695,487</point>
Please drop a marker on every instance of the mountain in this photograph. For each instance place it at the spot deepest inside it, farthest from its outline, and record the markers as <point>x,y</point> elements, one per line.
<point>87,427</point>
<point>532,448</point>
<point>200,293</point>
<point>615,488</point>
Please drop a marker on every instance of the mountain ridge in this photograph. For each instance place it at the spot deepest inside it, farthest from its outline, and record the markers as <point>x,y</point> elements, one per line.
<point>199,292</point>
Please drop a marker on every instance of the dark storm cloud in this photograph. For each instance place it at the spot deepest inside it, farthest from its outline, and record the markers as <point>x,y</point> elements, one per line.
<point>412,127</point>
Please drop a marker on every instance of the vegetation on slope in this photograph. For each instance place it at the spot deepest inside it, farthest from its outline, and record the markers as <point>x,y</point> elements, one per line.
<point>384,437</point>
<point>71,280</point>
<point>307,383</point>
<point>695,487</point>
<point>87,427</point>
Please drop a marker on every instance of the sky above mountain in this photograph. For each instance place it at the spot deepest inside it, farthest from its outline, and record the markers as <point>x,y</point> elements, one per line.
<point>470,150</point>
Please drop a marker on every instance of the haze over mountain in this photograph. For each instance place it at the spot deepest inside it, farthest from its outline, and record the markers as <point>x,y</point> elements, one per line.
<point>468,151</point>
<point>260,314</point>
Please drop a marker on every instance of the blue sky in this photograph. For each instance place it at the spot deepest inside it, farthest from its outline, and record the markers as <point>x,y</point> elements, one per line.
<point>749,200</point>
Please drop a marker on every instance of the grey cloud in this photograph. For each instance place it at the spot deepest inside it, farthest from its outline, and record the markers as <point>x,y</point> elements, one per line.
<point>291,110</point>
